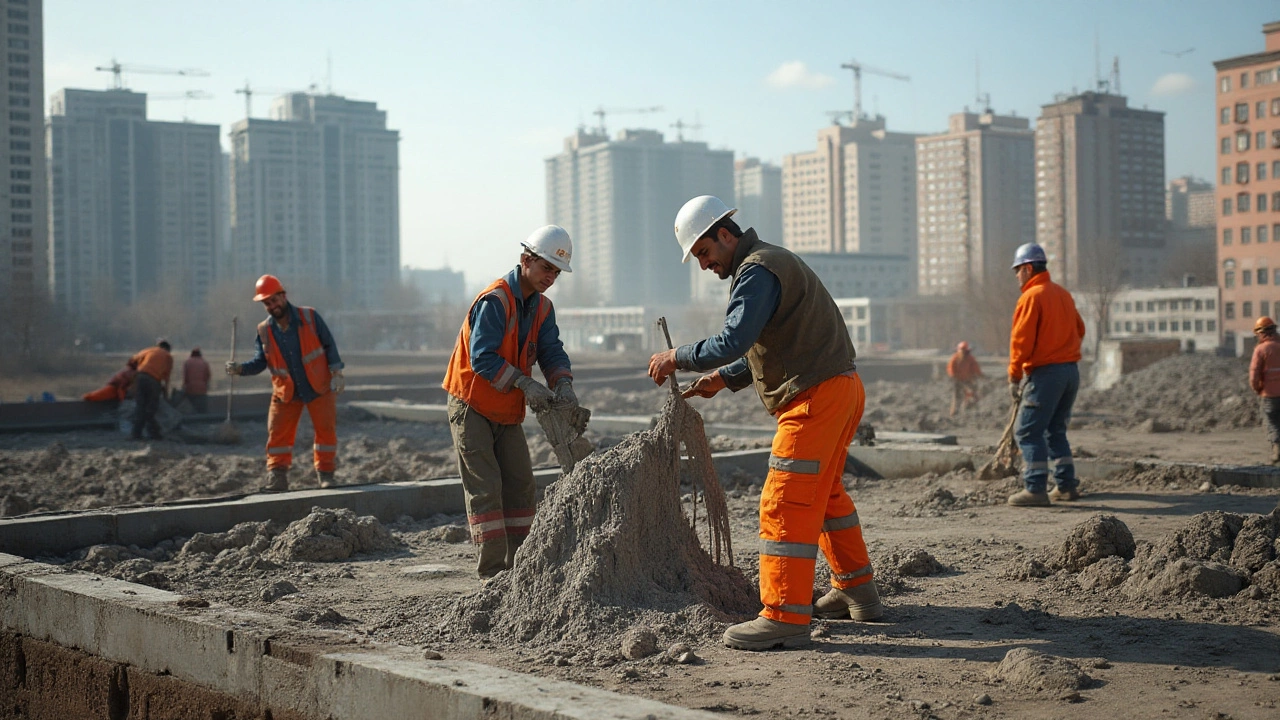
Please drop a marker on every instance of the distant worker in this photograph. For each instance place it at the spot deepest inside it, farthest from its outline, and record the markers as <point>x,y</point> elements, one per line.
<point>964,371</point>
<point>783,332</point>
<point>306,373</point>
<point>154,365</point>
<point>509,326</point>
<point>1044,348</point>
<point>1264,378</point>
<point>117,388</point>
<point>195,381</point>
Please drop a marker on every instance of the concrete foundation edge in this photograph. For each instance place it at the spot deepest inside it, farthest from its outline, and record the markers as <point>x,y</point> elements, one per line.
<point>235,652</point>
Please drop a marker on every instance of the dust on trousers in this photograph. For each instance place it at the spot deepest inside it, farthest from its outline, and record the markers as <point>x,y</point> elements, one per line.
<point>282,430</point>
<point>804,507</point>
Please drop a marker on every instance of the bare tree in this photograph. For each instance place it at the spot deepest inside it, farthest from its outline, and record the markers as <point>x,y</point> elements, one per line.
<point>1102,278</point>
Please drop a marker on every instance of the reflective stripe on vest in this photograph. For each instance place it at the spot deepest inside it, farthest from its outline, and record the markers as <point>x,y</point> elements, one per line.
<point>315,364</point>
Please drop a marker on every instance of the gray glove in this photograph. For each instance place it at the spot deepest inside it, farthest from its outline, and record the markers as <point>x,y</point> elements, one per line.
<point>233,368</point>
<point>536,395</point>
<point>565,397</point>
<point>337,383</point>
<point>1015,390</point>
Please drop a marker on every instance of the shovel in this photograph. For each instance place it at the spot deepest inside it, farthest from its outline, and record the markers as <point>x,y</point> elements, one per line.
<point>227,433</point>
<point>1007,458</point>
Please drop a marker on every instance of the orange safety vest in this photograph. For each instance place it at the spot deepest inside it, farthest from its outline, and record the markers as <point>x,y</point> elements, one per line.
<point>462,382</point>
<point>314,360</point>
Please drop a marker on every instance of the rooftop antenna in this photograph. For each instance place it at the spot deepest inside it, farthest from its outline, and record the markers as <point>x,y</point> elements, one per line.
<point>328,73</point>
<point>983,99</point>
<point>1115,74</point>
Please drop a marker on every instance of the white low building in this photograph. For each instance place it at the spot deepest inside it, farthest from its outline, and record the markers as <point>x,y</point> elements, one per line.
<point>1188,314</point>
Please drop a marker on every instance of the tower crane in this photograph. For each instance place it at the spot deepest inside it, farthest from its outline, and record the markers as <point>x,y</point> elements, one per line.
<point>601,111</point>
<point>858,68</point>
<point>183,96</point>
<point>117,71</point>
<point>248,92</point>
<point>681,126</point>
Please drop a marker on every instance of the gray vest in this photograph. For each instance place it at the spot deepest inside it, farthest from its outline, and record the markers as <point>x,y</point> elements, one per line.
<point>806,341</point>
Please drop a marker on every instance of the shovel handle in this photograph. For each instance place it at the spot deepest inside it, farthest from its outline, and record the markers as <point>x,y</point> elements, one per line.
<point>662,323</point>
<point>232,384</point>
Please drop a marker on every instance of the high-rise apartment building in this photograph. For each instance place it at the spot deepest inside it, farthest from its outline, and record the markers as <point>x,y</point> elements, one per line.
<point>976,201</point>
<point>1190,203</point>
<point>133,203</point>
<point>855,193</point>
<point>315,196</point>
<point>1248,196</point>
<point>618,199</point>
<point>757,191</point>
<point>24,266</point>
<point>1100,191</point>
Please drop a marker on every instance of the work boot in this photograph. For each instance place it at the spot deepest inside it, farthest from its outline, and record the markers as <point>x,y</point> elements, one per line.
<point>326,479</point>
<point>1275,453</point>
<point>1060,495</point>
<point>1026,498</point>
<point>492,558</point>
<point>861,603</point>
<point>764,634</point>
<point>513,543</point>
<point>277,480</point>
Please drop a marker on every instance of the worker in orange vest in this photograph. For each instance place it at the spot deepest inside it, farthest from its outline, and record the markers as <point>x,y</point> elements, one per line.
<point>964,371</point>
<point>509,326</point>
<point>116,389</point>
<point>155,365</point>
<point>784,334</point>
<point>306,373</point>
<point>1264,378</point>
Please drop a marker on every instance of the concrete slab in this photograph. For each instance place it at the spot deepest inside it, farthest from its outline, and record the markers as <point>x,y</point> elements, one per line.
<point>235,652</point>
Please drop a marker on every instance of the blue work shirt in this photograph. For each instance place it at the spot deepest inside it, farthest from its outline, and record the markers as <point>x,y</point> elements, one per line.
<point>752,303</point>
<point>488,321</point>
<point>291,347</point>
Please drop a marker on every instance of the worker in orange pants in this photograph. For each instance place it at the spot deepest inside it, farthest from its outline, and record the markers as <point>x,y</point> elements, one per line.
<point>784,334</point>
<point>282,429</point>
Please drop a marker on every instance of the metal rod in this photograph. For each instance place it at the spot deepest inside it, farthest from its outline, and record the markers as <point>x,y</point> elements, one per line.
<point>231,384</point>
<point>662,323</point>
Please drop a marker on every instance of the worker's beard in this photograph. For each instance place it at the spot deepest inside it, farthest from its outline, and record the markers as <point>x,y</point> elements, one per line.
<point>280,312</point>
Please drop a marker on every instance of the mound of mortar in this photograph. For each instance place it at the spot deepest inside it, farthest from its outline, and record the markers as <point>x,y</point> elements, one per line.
<point>611,547</point>
<point>1101,536</point>
<point>1213,554</point>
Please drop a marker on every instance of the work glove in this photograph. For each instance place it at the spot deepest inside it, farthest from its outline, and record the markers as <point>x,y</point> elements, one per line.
<point>337,383</point>
<point>1015,390</point>
<point>233,368</point>
<point>565,397</point>
<point>536,395</point>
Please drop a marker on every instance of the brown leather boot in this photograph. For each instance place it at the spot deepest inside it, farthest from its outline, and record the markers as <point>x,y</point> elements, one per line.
<point>492,558</point>
<point>764,634</point>
<point>860,603</point>
<point>326,479</point>
<point>277,480</point>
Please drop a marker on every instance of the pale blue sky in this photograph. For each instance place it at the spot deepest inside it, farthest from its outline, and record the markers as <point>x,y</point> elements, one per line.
<point>482,92</point>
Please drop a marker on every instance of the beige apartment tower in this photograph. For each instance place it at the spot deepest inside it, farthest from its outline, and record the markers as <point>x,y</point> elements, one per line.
<point>1100,192</point>
<point>976,201</point>
<point>24,266</point>
<point>855,193</point>
<point>1247,116</point>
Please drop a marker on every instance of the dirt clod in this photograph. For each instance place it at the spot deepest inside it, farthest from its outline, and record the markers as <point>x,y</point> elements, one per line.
<point>1027,669</point>
<point>276,590</point>
<point>1099,537</point>
<point>1182,577</point>
<point>914,563</point>
<point>326,535</point>
<point>1104,574</point>
<point>639,643</point>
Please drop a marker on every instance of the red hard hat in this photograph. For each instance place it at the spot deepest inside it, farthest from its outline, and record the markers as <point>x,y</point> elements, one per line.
<point>267,286</point>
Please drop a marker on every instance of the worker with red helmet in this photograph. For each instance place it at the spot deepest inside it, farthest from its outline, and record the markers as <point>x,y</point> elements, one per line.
<point>1264,378</point>
<point>964,371</point>
<point>306,372</point>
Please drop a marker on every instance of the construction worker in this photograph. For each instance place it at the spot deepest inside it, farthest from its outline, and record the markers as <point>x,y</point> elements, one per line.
<point>154,365</point>
<point>306,373</point>
<point>1044,347</point>
<point>1264,378</point>
<point>510,324</point>
<point>783,332</point>
<point>195,381</point>
<point>116,389</point>
<point>964,371</point>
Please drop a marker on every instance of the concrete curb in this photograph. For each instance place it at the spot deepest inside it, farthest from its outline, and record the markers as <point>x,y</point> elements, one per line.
<point>235,652</point>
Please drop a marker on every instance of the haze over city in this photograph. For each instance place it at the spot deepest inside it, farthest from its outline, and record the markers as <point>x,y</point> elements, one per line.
<point>482,93</point>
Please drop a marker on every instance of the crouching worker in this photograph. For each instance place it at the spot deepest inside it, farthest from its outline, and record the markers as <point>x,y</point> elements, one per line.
<point>117,388</point>
<point>509,326</point>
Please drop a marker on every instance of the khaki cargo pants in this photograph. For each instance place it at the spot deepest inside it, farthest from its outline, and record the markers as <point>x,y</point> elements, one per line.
<point>497,479</point>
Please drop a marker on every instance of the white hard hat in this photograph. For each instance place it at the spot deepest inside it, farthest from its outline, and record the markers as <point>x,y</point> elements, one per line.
<point>551,243</point>
<point>696,218</point>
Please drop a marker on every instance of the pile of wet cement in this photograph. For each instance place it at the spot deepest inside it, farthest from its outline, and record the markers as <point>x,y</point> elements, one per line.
<point>612,549</point>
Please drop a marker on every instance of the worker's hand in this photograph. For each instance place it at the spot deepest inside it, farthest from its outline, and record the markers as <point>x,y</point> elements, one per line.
<point>536,395</point>
<point>662,365</point>
<point>706,386</point>
<point>337,383</point>
<point>233,368</point>
<point>1015,390</point>
<point>566,399</point>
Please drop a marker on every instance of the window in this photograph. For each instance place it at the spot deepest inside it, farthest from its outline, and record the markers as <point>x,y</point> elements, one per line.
<point>1164,325</point>
<point>1211,325</point>
<point>1275,139</point>
<point>1262,276</point>
<point>1260,109</point>
<point>1246,279</point>
<point>1275,106</point>
<point>1128,307</point>
<point>1208,304</point>
<point>1226,176</point>
<point>1260,172</point>
<point>1229,278</point>
<point>1242,112</point>
<point>1275,201</point>
<point>1242,172</point>
<point>1224,85</point>
<point>1199,305</point>
<point>1117,326</point>
<point>1275,169</point>
<point>1244,83</point>
<point>1242,202</point>
<point>1151,306</point>
<point>1151,326</point>
<point>1259,143</point>
<point>1264,308</point>
<point>1262,233</point>
<point>1262,202</point>
<point>1246,309</point>
<point>1199,326</point>
<point>1246,236</point>
<point>1242,141</point>
<point>1128,326</point>
<point>1226,116</point>
<point>1226,206</point>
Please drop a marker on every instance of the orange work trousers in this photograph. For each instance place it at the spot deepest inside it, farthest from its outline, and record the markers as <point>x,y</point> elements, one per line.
<point>282,428</point>
<point>104,394</point>
<point>804,506</point>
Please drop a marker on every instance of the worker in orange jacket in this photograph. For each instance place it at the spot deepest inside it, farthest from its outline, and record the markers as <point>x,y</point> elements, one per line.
<point>306,374</point>
<point>1264,378</point>
<point>784,333</point>
<point>1044,348</point>
<point>511,324</point>
<point>154,365</point>
<point>116,389</point>
<point>964,371</point>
